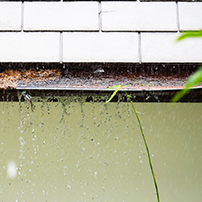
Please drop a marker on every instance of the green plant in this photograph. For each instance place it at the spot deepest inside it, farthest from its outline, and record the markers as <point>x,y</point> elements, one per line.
<point>142,132</point>
<point>190,34</point>
<point>196,77</point>
<point>192,81</point>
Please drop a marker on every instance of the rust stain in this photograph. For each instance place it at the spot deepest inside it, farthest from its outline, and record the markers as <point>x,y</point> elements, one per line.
<point>11,78</point>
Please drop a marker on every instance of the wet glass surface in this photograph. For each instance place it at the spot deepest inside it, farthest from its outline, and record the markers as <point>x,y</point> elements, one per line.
<point>77,151</point>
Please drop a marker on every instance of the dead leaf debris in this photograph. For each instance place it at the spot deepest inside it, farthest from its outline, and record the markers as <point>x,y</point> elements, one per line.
<point>11,78</point>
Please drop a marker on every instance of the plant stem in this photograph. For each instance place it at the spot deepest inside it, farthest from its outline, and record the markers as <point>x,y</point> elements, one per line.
<point>147,148</point>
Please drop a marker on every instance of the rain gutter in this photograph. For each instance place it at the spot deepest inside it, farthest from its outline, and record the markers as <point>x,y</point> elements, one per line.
<point>90,81</point>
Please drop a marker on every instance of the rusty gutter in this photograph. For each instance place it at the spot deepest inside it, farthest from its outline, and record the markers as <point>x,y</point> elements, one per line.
<point>106,89</point>
<point>147,82</point>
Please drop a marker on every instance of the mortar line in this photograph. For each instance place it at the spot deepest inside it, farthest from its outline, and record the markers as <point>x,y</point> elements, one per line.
<point>139,47</point>
<point>178,16</point>
<point>61,48</point>
<point>100,16</point>
<point>22,16</point>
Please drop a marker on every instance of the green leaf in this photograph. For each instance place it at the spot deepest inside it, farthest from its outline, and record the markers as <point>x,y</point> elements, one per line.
<point>142,132</point>
<point>190,34</point>
<point>180,94</point>
<point>114,93</point>
<point>192,81</point>
<point>195,78</point>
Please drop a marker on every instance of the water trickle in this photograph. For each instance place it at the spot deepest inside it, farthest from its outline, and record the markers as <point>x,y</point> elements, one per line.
<point>66,160</point>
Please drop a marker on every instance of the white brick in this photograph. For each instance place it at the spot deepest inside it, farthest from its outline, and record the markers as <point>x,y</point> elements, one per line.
<point>190,15</point>
<point>149,16</point>
<point>10,15</point>
<point>163,47</point>
<point>100,47</point>
<point>29,47</point>
<point>61,16</point>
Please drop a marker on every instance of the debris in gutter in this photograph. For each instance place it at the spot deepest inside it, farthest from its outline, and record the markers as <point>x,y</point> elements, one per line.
<point>11,78</point>
<point>94,76</point>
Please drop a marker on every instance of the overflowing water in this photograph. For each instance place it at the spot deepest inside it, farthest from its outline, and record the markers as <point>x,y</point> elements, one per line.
<point>71,150</point>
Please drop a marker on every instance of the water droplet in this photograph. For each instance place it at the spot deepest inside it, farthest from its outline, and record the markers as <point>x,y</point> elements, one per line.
<point>95,175</point>
<point>11,170</point>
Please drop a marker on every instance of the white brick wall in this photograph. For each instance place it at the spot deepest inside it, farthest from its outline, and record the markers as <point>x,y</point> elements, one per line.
<point>29,47</point>
<point>190,15</point>
<point>141,16</point>
<point>163,47</point>
<point>94,47</point>
<point>79,31</point>
<point>10,15</point>
<point>61,16</point>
